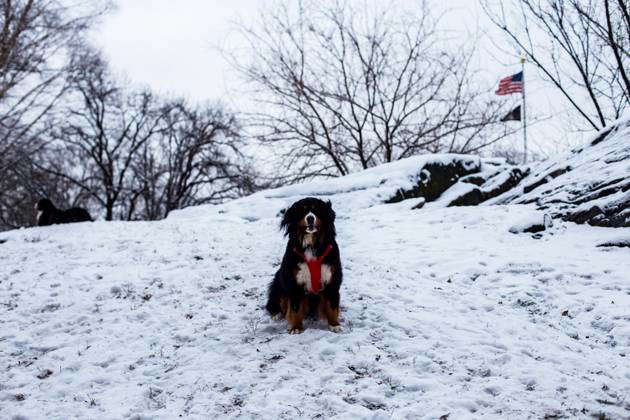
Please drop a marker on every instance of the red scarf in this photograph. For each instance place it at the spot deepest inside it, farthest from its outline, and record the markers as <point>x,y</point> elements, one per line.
<point>315,268</point>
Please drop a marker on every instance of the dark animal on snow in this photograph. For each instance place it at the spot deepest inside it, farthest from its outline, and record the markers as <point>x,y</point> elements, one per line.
<point>308,280</point>
<point>48,214</point>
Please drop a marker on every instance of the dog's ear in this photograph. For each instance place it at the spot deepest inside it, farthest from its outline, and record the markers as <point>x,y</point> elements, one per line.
<point>288,219</point>
<point>331,212</point>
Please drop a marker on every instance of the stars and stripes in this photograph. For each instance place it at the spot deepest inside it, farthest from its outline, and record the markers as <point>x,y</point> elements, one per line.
<point>511,84</point>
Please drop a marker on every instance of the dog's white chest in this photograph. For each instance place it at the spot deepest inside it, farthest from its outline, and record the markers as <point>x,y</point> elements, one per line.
<point>303,276</point>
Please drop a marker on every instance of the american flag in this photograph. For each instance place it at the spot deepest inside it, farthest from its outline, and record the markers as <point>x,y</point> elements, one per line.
<point>511,84</point>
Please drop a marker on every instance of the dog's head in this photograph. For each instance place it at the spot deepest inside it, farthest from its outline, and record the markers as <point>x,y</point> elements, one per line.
<point>309,216</point>
<point>44,205</point>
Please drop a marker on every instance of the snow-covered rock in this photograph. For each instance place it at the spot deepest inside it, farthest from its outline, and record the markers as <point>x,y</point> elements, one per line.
<point>533,223</point>
<point>588,185</point>
<point>424,176</point>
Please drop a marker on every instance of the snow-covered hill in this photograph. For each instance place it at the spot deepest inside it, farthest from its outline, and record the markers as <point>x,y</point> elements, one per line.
<point>446,312</point>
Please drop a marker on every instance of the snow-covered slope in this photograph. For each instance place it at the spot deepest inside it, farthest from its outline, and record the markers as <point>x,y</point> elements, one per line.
<point>446,314</point>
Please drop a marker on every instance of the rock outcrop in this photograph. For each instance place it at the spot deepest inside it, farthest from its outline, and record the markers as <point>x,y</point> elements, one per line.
<point>436,177</point>
<point>588,185</point>
<point>496,185</point>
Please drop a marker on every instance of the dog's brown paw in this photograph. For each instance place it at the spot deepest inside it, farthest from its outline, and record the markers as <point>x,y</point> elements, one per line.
<point>335,328</point>
<point>296,330</point>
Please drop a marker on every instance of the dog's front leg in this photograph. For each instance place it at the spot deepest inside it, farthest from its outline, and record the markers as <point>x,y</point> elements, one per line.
<point>329,307</point>
<point>295,313</point>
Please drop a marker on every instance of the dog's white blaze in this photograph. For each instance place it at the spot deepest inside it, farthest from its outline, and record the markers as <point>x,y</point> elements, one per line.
<point>310,213</point>
<point>39,215</point>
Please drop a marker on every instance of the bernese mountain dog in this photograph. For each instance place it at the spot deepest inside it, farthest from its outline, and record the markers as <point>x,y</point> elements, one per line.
<point>48,214</point>
<point>308,280</point>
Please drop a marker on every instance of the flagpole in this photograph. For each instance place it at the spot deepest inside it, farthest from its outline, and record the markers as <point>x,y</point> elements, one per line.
<point>524,113</point>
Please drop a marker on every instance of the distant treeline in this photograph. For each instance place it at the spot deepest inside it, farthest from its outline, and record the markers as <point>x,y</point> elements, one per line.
<point>338,87</point>
<point>73,133</point>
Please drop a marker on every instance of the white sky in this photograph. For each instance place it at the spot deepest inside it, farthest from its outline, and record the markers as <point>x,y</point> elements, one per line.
<point>172,46</point>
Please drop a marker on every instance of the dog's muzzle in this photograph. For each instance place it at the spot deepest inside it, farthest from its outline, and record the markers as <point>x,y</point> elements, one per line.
<point>310,220</point>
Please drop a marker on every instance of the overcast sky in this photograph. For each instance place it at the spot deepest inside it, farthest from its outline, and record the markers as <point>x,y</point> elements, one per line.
<point>172,46</point>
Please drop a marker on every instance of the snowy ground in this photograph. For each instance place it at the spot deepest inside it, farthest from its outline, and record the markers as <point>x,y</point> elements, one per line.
<point>446,314</point>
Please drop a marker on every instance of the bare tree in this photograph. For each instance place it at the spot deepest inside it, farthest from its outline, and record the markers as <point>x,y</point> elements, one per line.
<point>581,46</point>
<point>137,156</point>
<point>344,88</point>
<point>195,160</point>
<point>34,41</point>
<point>72,132</point>
<point>104,128</point>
